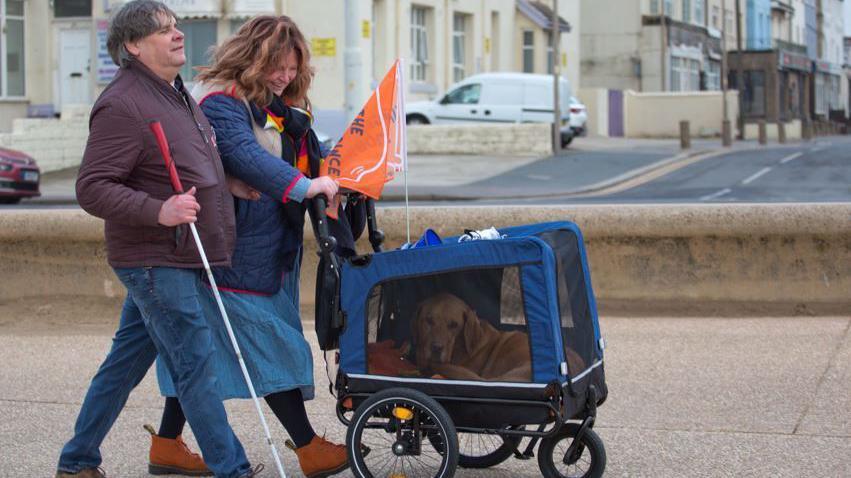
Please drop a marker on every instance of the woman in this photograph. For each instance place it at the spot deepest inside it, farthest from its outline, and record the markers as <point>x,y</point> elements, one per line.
<point>255,97</point>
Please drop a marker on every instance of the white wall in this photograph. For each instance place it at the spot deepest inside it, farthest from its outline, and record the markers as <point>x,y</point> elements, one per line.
<point>527,138</point>
<point>658,115</point>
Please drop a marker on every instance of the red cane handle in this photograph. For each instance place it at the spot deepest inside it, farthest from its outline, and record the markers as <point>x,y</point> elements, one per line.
<point>159,134</point>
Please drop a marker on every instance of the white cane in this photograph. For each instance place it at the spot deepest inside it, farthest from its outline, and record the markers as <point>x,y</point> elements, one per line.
<point>157,129</point>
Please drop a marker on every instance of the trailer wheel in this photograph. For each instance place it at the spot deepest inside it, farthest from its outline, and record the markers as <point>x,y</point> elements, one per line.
<point>587,460</point>
<point>477,450</point>
<point>400,431</point>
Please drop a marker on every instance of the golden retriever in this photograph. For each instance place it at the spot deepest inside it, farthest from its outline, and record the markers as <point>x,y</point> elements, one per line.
<point>453,342</point>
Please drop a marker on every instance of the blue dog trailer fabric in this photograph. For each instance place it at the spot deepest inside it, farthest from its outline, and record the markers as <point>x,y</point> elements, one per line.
<point>557,307</point>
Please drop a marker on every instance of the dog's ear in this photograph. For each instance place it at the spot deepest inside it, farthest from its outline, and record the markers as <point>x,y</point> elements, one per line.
<point>473,330</point>
<point>415,322</point>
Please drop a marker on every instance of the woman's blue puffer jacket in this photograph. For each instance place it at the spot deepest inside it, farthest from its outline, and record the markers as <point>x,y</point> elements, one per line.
<point>266,245</point>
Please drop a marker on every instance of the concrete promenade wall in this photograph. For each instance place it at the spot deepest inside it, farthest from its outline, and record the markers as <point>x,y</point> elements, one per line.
<point>764,258</point>
<point>525,138</point>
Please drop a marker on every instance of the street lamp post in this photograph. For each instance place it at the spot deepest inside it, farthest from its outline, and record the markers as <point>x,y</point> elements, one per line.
<point>556,36</point>
<point>726,138</point>
<point>740,75</point>
<point>663,32</point>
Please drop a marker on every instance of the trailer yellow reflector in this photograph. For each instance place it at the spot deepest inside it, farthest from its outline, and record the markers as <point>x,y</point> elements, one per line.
<point>403,413</point>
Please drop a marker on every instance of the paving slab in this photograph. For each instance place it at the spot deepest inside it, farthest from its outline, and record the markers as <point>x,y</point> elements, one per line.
<point>688,396</point>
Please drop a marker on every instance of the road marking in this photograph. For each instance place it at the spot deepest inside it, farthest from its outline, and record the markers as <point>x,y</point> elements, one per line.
<point>717,195</point>
<point>791,157</point>
<point>755,176</point>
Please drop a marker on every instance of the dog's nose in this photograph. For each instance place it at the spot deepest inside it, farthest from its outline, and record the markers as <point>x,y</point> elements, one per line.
<point>436,349</point>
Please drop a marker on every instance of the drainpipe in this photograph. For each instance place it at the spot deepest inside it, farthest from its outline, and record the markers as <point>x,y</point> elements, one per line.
<point>352,57</point>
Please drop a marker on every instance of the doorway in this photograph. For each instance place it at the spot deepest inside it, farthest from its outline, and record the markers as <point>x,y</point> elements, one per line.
<point>74,66</point>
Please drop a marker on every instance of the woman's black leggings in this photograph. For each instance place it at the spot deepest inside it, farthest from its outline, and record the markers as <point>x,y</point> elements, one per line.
<point>288,406</point>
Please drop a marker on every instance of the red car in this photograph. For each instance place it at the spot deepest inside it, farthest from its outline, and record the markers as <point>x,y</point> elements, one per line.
<point>19,176</point>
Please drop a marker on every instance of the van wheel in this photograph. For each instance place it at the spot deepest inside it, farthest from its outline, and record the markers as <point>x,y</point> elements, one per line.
<point>416,119</point>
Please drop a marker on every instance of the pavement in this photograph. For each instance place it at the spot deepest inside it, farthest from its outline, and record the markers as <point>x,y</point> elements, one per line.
<point>688,397</point>
<point>589,165</point>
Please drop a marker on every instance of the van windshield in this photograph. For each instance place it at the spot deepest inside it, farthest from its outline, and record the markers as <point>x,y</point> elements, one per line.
<point>466,95</point>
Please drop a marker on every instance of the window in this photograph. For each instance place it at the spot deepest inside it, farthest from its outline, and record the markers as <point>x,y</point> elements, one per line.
<point>419,44</point>
<point>200,36</point>
<point>713,75</point>
<point>716,18</point>
<point>654,7</point>
<point>687,11</point>
<point>458,43</point>
<point>685,74</point>
<point>698,13</point>
<point>71,8</point>
<point>12,79</point>
<point>528,51</point>
<point>753,96</point>
<point>465,95</point>
<point>235,23</point>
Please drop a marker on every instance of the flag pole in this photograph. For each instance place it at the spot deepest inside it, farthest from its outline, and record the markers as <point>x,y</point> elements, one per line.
<point>400,75</point>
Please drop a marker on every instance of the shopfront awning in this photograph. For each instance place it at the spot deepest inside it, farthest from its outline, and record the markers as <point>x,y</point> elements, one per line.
<point>542,15</point>
<point>828,67</point>
<point>195,8</point>
<point>250,8</point>
<point>181,8</point>
<point>787,60</point>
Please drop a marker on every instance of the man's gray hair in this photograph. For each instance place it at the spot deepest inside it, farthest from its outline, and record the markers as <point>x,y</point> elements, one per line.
<point>132,22</point>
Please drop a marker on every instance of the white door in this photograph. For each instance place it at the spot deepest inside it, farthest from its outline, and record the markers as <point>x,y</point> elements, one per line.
<point>74,61</point>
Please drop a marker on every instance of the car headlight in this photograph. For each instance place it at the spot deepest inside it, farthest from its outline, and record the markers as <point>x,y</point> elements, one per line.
<point>5,167</point>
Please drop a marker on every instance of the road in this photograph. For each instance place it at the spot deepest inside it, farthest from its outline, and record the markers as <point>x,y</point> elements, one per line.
<point>806,172</point>
<point>634,171</point>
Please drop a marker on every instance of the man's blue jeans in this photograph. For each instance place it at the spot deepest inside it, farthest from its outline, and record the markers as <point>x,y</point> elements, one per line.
<point>161,315</point>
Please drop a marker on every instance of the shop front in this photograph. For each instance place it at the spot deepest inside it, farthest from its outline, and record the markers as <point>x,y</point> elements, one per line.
<point>776,84</point>
<point>827,90</point>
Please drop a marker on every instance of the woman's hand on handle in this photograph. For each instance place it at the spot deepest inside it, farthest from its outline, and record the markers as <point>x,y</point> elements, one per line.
<point>322,185</point>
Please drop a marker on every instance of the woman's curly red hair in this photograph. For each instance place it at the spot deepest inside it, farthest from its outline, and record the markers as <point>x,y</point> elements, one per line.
<point>256,50</point>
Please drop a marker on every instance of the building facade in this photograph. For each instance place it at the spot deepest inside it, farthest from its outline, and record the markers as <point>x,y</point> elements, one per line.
<point>656,45</point>
<point>54,52</point>
<point>758,24</point>
<point>827,70</point>
<point>776,83</point>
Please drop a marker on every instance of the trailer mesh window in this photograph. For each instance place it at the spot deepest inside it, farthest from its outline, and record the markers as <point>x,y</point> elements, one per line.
<point>461,325</point>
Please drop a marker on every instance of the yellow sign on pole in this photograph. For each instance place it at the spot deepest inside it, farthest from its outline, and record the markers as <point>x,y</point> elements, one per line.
<point>323,46</point>
<point>365,28</point>
<point>487,45</point>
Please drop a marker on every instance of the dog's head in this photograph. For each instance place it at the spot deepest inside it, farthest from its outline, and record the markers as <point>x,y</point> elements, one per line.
<point>440,322</point>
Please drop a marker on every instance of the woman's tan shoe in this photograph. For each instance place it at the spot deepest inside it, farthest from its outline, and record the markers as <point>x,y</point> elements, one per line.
<point>320,458</point>
<point>172,457</point>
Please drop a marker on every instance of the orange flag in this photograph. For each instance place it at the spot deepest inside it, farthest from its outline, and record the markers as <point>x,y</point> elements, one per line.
<point>373,147</point>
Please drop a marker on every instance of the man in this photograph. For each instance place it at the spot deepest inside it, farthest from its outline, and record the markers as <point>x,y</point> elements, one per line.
<point>123,180</point>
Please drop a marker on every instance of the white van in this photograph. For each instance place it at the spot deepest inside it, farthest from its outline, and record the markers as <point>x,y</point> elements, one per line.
<point>495,98</point>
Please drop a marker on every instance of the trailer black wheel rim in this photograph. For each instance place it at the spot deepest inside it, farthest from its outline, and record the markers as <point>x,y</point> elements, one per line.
<point>424,445</point>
